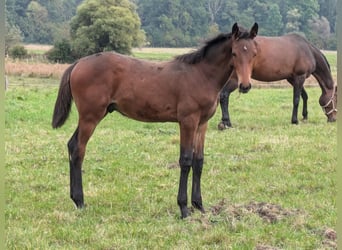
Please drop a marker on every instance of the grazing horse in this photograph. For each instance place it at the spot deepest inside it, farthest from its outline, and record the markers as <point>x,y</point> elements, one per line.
<point>289,57</point>
<point>183,90</point>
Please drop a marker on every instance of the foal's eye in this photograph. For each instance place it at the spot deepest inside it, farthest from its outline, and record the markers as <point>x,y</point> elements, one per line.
<point>234,54</point>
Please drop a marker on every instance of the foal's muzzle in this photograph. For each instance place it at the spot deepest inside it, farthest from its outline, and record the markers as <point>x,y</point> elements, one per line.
<point>244,89</point>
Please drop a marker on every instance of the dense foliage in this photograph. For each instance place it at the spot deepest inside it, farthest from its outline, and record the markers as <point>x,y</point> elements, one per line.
<point>101,25</point>
<point>168,23</point>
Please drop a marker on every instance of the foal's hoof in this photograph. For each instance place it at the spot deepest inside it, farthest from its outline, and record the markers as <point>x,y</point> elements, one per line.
<point>79,203</point>
<point>223,126</point>
<point>184,213</point>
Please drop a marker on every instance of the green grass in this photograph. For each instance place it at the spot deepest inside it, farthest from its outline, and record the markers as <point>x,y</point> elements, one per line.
<point>331,57</point>
<point>155,56</point>
<point>131,182</point>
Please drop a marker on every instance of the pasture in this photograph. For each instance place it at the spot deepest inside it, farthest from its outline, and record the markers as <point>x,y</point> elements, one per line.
<point>266,184</point>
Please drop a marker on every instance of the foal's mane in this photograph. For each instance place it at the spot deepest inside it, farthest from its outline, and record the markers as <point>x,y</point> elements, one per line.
<point>198,55</point>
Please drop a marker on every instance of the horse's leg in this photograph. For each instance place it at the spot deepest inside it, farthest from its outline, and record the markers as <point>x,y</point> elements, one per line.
<point>76,189</point>
<point>76,147</point>
<point>197,165</point>
<point>230,86</point>
<point>187,131</point>
<point>224,95</point>
<point>305,104</point>
<point>297,83</point>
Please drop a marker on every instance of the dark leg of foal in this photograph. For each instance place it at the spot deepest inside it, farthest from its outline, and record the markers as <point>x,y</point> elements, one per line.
<point>197,166</point>
<point>305,104</point>
<point>76,189</point>
<point>76,147</point>
<point>196,197</point>
<point>185,161</point>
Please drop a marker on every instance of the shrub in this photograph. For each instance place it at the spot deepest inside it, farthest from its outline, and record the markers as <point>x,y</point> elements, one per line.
<point>61,52</point>
<point>18,51</point>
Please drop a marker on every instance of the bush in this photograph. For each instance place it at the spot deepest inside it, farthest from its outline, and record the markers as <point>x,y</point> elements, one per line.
<point>61,52</point>
<point>331,43</point>
<point>18,51</point>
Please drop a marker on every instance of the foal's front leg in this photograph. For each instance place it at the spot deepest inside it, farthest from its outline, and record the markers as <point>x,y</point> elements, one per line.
<point>185,161</point>
<point>197,166</point>
<point>188,127</point>
<point>196,197</point>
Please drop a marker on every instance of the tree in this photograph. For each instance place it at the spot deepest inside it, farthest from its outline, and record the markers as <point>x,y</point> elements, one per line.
<point>174,23</point>
<point>102,25</point>
<point>39,30</point>
<point>293,21</point>
<point>41,21</point>
<point>272,25</point>
<point>319,32</point>
<point>13,36</point>
<point>328,10</point>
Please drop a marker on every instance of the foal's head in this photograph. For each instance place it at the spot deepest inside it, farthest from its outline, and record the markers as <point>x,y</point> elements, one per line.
<point>244,50</point>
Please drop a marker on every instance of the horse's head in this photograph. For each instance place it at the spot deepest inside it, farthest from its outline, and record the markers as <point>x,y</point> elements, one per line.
<point>329,104</point>
<point>244,50</point>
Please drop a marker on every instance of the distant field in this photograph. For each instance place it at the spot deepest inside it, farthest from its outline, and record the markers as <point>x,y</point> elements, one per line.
<point>33,68</point>
<point>37,48</point>
<point>266,184</point>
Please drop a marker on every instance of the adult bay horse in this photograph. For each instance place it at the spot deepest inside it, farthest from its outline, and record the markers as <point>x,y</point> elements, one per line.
<point>184,90</point>
<point>289,57</point>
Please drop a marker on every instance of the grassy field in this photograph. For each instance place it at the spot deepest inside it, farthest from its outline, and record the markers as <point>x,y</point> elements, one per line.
<point>267,184</point>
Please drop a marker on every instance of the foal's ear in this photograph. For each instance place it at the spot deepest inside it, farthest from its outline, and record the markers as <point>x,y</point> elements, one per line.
<point>235,30</point>
<point>254,31</point>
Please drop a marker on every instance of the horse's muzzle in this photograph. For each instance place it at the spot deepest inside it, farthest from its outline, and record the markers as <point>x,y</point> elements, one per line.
<point>244,89</point>
<point>332,119</point>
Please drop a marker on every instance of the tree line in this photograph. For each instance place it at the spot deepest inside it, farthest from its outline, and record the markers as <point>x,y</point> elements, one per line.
<point>167,23</point>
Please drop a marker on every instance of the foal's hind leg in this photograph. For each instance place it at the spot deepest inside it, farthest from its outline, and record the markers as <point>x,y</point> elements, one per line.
<point>76,147</point>
<point>76,189</point>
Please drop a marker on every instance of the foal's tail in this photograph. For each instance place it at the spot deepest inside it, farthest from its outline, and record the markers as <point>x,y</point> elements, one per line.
<point>64,99</point>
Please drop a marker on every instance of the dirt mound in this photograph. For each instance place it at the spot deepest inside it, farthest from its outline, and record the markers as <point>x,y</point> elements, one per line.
<point>269,212</point>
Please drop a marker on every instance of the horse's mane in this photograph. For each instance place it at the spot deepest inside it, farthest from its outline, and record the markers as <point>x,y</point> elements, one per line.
<point>198,55</point>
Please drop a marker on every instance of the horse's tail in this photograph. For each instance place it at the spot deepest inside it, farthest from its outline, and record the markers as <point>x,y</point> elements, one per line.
<point>64,99</point>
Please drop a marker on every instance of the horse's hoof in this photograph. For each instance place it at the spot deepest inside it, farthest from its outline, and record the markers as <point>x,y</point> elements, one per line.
<point>223,126</point>
<point>78,202</point>
<point>184,213</point>
<point>198,205</point>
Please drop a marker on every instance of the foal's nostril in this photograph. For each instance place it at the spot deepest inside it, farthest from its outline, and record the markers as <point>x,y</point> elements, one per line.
<point>244,89</point>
